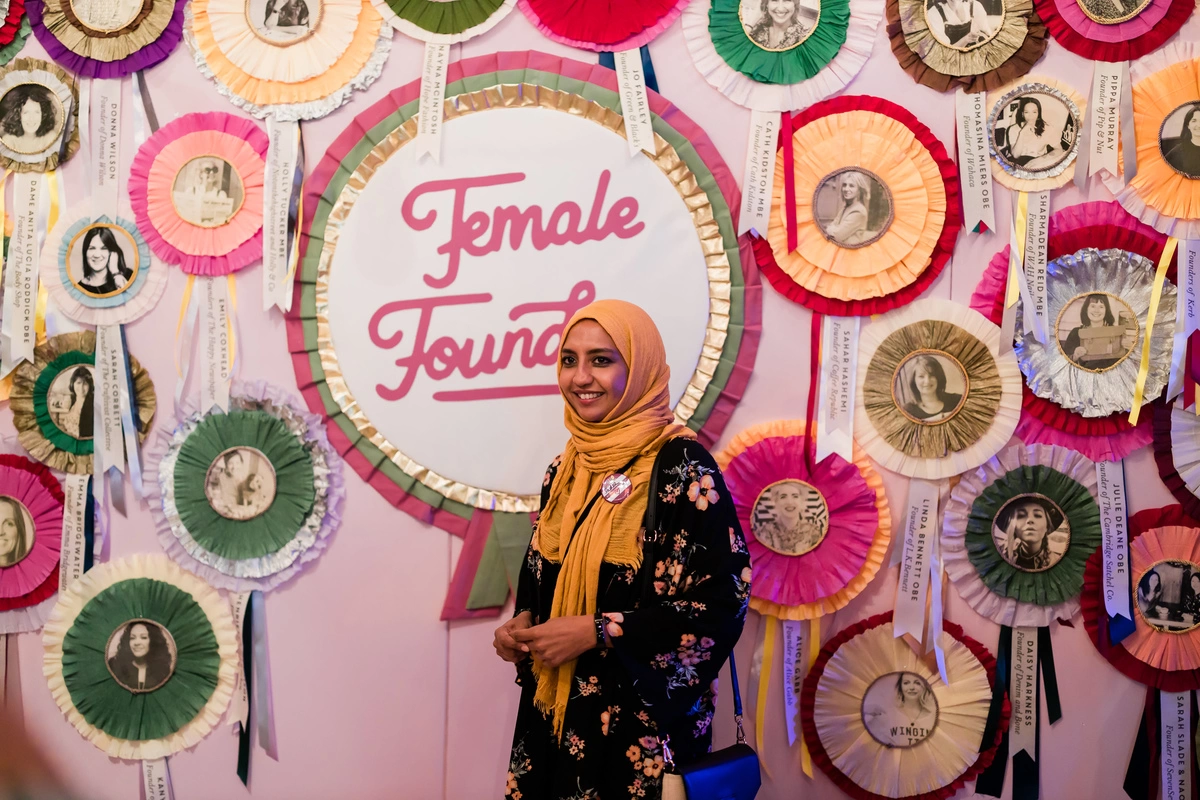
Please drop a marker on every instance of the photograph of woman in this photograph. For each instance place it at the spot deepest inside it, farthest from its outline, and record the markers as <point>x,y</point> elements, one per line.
<point>961,24</point>
<point>1035,133</point>
<point>1102,339</point>
<point>1168,596</point>
<point>1179,140</point>
<point>283,21</point>
<point>790,518</point>
<point>900,711</point>
<point>1149,596</point>
<point>241,484</point>
<point>100,268</point>
<point>30,119</point>
<point>1031,533</point>
<point>929,388</point>
<point>617,637</point>
<point>779,24</point>
<point>70,400</point>
<point>142,658</point>
<point>16,531</point>
<point>207,192</point>
<point>852,208</point>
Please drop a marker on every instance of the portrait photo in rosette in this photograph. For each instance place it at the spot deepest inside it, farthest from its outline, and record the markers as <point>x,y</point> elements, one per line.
<point>39,104</point>
<point>31,521</point>
<point>1033,130</point>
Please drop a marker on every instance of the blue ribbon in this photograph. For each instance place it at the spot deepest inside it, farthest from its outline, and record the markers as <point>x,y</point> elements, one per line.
<point>128,426</point>
<point>608,60</point>
<point>89,527</point>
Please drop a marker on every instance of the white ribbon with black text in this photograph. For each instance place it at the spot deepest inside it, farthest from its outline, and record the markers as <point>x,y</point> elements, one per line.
<point>1175,715</point>
<point>1023,692</point>
<point>794,634</point>
<point>974,161</point>
<point>1187,314</point>
<point>216,358</point>
<point>104,140</point>
<point>74,530</point>
<point>1110,492</point>
<point>635,105</point>
<point>1037,238</point>
<point>283,156</point>
<point>156,779</point>
<point>239,709</point>
<point>433,95</point>
<point>17,325</point>
<point>835,399</point>
<point>915,559</point>
<point>758,185</point>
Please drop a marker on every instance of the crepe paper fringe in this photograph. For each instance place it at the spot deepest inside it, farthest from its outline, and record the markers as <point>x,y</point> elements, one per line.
<point>9,51</point>
<point>16,24</point>
<point>613,25</point>
<point>15,72</point>
<point>1139,36</point>
<point>987,750</point>
<point>1172,423</point>
<point>28,588</point>
<point>144,46</point>
<point>769,257</point>
<point>779,67</point>
<point>445,22</point>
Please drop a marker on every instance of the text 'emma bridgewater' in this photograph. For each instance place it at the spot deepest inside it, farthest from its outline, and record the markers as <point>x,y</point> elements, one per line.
<point>478,231</point>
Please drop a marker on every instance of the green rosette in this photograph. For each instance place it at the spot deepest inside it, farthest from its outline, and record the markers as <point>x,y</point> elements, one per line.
<point>447,18</point>
<point>13,48</point>
<point>59,438</point>
<point>784,67</point>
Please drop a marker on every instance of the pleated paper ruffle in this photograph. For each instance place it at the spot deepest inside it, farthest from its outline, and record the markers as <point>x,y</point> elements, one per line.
<point>1123,41</point>
<point>63,86</point>
<point>142,43</point>
<point>443,21</point>
<point>1017,178</point>
<point>607,25</point>
<point>1177,454</point>
<point>27,587</point>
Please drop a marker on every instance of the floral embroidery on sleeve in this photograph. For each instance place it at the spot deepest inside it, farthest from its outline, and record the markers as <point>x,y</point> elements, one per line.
<point>680,665</point>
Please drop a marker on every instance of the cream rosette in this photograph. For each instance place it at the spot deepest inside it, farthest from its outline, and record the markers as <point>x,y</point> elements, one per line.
<point>31,152</point>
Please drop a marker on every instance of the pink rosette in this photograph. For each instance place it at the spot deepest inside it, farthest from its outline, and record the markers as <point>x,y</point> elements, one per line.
<point>27,587</point>
<point>1121,41</point>
<point>604,39</point>
<point>200,250</point>
<point>1088,28</point>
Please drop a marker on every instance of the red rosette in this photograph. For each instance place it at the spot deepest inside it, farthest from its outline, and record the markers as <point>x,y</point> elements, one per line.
<point>1129,48</point>
<point>1165,459</point>
<point>45,481</point>
<point>12,22</point>
<point>602,25</point>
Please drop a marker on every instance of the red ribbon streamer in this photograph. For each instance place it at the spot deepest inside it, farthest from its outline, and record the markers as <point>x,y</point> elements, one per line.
<point>789,181</point>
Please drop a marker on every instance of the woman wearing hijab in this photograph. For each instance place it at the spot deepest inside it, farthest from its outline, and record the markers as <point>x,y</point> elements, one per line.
<point>619,631</point>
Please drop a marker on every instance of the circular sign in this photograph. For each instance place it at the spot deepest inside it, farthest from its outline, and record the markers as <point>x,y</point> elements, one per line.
<point>963,25</point>
<point>790,517</point>
<point>1168,596</point>
<point>930,386</point>
<point>141,655</point>
<point>1096,331</point>
<point>31,119</point>
<point>1112,12</point>
<point>71,399</point>
<point>1031,532</point>
<point>1035,131</point>
<point>207,191</point>
<point>852,207</point>
<point>616,488</point>
<point>283,22</point>
<point>899,709</point>
<point>102,260</point>
<point>106,16</point>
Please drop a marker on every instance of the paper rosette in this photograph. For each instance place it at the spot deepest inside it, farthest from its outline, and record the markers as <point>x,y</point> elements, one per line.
<point>878,137</point>
<point>95,41</point>
<point>443,21</point>
<point>1039,591</point>
<point>1128,39</point>
<point>1177,454</point>
<point>1064,112</point>
<point>601,25</point>
<point>61,96</point>
<point>1165,659</point>
<point>63,267</point>
<point>263,551</point>
<point>1097,224</point>
<point>1122,283</point>
<point>305,77</point>
<point>987,390</point>
<point>849,703</point>
<point>42,406</point>
<point>201,249</point>
<point>77,661</point>
<point>1013,47</point>
<point>849,500</point>
<point>34,500</point>
<point>820,65</point>
<point>16,30</point>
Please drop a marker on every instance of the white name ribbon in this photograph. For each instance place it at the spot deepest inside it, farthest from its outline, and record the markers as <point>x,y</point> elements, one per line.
<point>433,95</point>
<point>635,106</point>
<point>1187,315</point>
<point>1037,237</point>
<point>1023,691</point>
<point>1110,492</point>
<point>839,371</point>
<point>17,334</point>
<point>110,375</point>
<point>793,673</point>
<point>156,778</point>
<point>920,529</point>
<point>1104,140</point>
<point>214,346</point>
<point>974,162</point>
<point>759,183</point>
<point>1175,715</point>
<point>239,709</point>
<point>74,525</point>
<point>105,141</point>
<point>282,153</point>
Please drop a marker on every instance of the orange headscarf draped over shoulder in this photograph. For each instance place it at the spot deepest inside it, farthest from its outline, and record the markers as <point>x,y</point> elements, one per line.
<point>635,430</point>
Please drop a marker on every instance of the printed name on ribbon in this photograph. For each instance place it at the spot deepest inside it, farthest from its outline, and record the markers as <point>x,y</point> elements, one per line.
<point>974,162</point>
<point>110,375</point>
<point>105,143</point>
<point>1037,237</point>
<point>793,674</point>
<point>433,95</point>
<point>1104,140</point>
<point>635,106</point>
<point>156,778</point>
<point>759,183</point>
<point>1110,491</point>
<point>17,333</point>
<point>1187,315</point>
<point>214,347</point>
<point>839,369</point>
<point>1023,691</point>
<point>73,532</point>
<point>920,530</point>
<point>1175,713</point>
<point>239,710</point>
<point>1190,267</point>
<point>282,154</point>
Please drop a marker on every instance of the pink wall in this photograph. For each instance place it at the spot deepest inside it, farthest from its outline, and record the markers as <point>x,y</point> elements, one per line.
<point>374,697</point>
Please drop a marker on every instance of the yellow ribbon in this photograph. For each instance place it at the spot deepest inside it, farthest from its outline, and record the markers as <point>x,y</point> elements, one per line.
<point>764,681</point>
<point>43,297</point>
<point>1160,275</point>
<point>814,647</point>
<point>1016,257</point>
<point>229,321</point>
<point>183,307</point>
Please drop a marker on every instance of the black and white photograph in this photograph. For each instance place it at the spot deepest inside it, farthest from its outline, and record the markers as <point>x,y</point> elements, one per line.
<point>1168,596</point>
<point>283,22</point>
<point>240,484</point>
<point>141,655</point>
<point>852,207</point>
<point>790,517</point>
<point>1096,331</point>
<point>963,24</point>
<point>1110,12</point>
<point>207,192</point>
<point>106,15</point>
<point>16,531</point>
<point>31,119</point>
<point>102,260</point>
<point>1179,140</point>
<point>779,24</point>
<point>929,387</point>
<point>1035,132</point>
<point>1031,532</point>
<point>70,400</point>
<point>900,709</point>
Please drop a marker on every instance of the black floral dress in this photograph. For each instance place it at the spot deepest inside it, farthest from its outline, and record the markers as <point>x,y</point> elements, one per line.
<point>684,610</point>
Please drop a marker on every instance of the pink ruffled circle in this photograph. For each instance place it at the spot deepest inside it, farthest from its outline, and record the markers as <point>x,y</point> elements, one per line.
<point>26,482</point>
<point>637,40</point>
<point>1087,27</point>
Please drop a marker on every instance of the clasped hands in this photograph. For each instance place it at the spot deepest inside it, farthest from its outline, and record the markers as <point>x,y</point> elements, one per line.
<point>553,642</point>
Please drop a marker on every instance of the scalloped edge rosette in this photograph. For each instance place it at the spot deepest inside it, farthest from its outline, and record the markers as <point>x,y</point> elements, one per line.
<point>1048,371</point>
<point>865,16</point>
<point>28,588</point>
<point>36,432</point>
<point>1177,454</point>
<point>21,33</point>
<point>1020,60</point>
<point>778,67</point>
<point>15,27</point>
<point>610,29</point>
<point>918,255</point>
<point>54,78</point>
<point>319,76</point>
<point>832,574</point>
<point>966,552</point>
<point>307,543</point>
<point>1061,174</point>
<point>199,250</point>
<point>87,588</point>
<point>1007,390</point>
<point>142,43</point>
<point>1123,41</point>
<point>443,21</point>
<point>965,659</point>
<point>1094,224</point>
<point>1155,534</point>
<point>147,289</point>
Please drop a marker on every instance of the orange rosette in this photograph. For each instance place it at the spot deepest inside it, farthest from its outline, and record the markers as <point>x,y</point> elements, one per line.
<point>1151,641</point>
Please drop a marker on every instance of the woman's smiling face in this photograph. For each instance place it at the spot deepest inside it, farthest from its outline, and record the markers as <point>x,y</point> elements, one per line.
<point>1096,311</point>
<point>139,640</point>
<point>781,11</point>
<point>592,373</point>
<point>97,254</point>
<point>912,686</point>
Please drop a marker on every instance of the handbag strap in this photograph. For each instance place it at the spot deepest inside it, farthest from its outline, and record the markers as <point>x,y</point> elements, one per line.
<point>588,508</point>
<point>737,699</point>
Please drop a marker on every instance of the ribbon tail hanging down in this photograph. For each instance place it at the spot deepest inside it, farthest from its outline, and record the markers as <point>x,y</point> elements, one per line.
<point>239,713</point>
<point>264,713</point>
<point>17,318</point>
<point>216,343</point>
<point>1141,775</point>
<point>433,94</point>
<point>991,780</point>
<point>156,779</point>
<point>1026,731</point>
<point>607,59</point>
<point>475,543</point>
<point>281,204</point>
<point>1160,276</point>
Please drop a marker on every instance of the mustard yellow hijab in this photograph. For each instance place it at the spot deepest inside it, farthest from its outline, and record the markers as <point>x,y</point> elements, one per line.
<point>638,426</point>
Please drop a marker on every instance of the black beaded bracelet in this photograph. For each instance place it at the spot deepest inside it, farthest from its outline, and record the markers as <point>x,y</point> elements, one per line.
<point>601,642</point>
